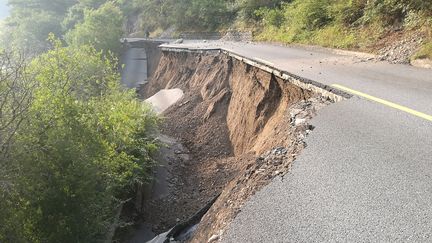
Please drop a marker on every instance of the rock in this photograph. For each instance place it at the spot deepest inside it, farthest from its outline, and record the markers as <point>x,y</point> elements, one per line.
<point>277,162</point>
<point>280,150</point>
<point>401,51</point>
<point>295,112</point>
<point>184,103</point>
<point>213,238</point>
<point>179,41</point>
<point>299,122</point>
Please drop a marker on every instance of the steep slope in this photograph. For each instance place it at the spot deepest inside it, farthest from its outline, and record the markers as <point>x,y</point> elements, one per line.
<point>241,126</point>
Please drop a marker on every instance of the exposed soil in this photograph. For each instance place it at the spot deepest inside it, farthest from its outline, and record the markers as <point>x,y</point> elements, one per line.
<point>240,127</point>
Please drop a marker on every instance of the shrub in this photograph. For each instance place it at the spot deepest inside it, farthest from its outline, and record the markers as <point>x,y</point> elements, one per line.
<point>101,28</point>
<point>86,144</point>
<point>334,36</point>
<point>307,14</point>
<point>270,17</point>
<point>424,52</point>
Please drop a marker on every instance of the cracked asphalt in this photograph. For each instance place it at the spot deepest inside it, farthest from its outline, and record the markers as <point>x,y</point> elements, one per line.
<point>365,176</point>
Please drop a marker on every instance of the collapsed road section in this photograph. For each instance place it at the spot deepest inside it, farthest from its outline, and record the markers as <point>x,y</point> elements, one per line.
<point>240,123</point>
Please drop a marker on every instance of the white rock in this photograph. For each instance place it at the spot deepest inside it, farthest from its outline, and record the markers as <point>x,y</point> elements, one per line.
<point>179,41</point>
<point>213,238</point>
<point>163,99</point>
<point>299,122</point>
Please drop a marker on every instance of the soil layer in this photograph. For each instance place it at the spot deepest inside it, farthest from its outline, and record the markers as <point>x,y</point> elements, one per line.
<point>241,127</point>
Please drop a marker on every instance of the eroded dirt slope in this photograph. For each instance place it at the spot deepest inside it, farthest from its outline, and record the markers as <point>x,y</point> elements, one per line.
<point>242,127</point>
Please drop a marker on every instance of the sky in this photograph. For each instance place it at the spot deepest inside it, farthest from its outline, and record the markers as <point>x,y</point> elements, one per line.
<point>4,11</point>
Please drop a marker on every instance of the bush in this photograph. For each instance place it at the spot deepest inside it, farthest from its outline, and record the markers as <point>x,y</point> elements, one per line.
<point>348,13</point>
<point>207,15</point>
<point>307,15</point>
<point>334,36</point>
<point>424,52</point>
<point>86,144</point>
<point>101,28</point>
<point>246,9</point>
<point>270,17</point>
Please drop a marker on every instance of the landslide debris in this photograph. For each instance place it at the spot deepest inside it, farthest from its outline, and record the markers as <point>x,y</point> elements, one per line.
<point>241,126</point>
<point>398,47</point>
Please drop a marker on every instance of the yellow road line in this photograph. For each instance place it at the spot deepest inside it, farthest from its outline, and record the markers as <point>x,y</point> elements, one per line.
<point>385,102</point>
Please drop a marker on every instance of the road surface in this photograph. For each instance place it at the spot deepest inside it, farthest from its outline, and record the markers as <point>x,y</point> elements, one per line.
<point>135,70</point>
<point>366,174</point>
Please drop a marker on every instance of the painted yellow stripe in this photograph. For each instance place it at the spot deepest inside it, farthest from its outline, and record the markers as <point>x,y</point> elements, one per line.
<point>385,102</point>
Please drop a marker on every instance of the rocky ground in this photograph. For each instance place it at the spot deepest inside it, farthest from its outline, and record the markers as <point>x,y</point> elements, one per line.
<point>254,171</point>
<point>398,47</point>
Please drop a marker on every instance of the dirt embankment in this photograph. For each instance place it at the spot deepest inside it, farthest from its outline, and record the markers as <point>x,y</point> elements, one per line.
<point>241,126</point>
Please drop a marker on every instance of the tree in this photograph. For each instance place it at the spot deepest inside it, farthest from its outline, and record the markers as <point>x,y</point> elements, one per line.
<point>58,7</point>
<point>28,30</point>
<point>75,14</point>
<point>101,28</point>
<point>86,145</point>
<point>16,93</point>
<point>201,14</point>
<point>31,21</point>
<point>246,8</point>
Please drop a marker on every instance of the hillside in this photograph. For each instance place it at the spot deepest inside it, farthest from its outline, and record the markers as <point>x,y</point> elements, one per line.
<point>380,26</point>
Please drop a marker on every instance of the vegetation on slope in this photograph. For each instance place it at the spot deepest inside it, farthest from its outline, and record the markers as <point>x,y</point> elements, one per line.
<point>354,24</point>
<point>334,23</point>
<point>337,23</point>
<point>100,27</point>
<point>74,144</point>
<point>424,52</point>
<point>78,144</point>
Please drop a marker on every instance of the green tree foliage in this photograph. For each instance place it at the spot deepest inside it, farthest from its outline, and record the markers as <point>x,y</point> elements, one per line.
<point>31,21</point>
<point>247,8</point>
<point>93,29</point>
<point>85,144</point>
<point>28,30</point>
<point>75,14</point>
<point>58,7</point>
<point>200,14</point>
<point>16,93</point>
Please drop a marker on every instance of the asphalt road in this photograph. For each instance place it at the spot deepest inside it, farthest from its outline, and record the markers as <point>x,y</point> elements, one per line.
<point>366,174</point>
<point>134,72</point>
